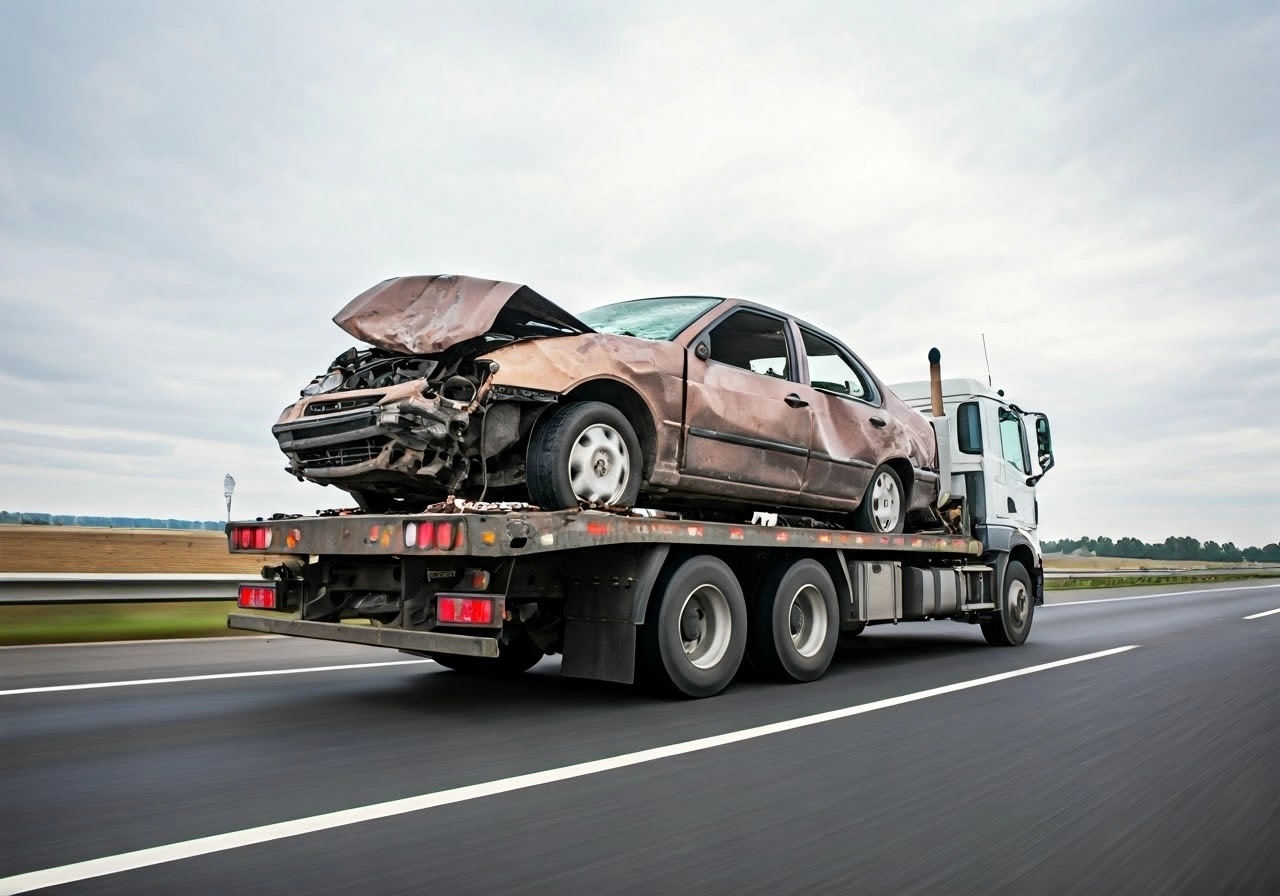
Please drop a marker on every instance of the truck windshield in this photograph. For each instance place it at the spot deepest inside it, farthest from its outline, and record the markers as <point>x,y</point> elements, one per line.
<point>657,319</point>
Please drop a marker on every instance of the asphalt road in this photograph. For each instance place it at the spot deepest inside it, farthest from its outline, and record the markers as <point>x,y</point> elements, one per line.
<point>1150,770</point>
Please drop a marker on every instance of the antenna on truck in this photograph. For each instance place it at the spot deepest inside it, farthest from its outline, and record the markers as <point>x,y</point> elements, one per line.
<point>986,358</point>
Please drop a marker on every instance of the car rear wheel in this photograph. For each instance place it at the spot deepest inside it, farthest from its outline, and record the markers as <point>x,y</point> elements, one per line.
<point>884,506</point>
<point>584,453</point>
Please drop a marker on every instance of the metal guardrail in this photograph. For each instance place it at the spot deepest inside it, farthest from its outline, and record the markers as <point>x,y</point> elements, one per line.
<point>106,588</point>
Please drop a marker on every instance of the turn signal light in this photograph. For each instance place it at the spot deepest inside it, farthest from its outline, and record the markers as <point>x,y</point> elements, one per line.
<point>257,597</point>
<point>472,610</point>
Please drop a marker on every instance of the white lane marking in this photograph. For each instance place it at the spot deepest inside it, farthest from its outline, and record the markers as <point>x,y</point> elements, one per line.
<point>173,852</point>
<point>138,641</point>
<point>1111,600</point>
<point>1260,615</point>
<point>127,684</point>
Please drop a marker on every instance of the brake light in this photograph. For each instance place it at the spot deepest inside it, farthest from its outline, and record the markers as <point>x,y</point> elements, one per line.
<point>442,535</point>
<point>473,610</point>
<point>257,597</point>
<point>251,538</point>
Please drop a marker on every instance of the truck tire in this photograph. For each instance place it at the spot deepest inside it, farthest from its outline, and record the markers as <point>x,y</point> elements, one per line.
<point>884,506</point>
<point>695,632</point>
<point>1010,624</point>
<point>515,658</point>
<point>795,622</point>
<point>584,453</point>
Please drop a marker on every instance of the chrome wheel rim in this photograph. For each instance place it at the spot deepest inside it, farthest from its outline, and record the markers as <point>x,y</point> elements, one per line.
<point>807,620</point>
<point>599,465</point>
<point>705,626</point>
<point>1018,602</point>
<point>886,503</point>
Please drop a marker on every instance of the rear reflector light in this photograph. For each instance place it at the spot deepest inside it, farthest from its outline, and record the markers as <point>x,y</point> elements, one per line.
<point>257,597</point>
<point>465,609</point>
<point>251,538</point>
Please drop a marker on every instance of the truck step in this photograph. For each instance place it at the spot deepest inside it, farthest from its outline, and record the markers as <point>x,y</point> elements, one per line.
<point>983,606</point>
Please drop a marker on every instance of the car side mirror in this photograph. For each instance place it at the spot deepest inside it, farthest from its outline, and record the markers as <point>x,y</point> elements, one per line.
<point>702,350</point>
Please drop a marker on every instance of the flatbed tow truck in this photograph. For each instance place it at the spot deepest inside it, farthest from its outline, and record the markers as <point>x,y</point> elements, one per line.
<point>648,596</point>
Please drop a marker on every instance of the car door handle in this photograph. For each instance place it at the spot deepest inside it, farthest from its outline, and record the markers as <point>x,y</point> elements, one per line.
<point>878,422</point>
<point>796,401</point>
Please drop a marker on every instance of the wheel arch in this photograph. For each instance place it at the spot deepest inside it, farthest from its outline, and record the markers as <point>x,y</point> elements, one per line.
<point>631,403</point>
<point>906,474</point>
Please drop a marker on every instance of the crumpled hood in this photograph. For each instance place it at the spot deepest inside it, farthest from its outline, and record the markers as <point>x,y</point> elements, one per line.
<point>425,314</point>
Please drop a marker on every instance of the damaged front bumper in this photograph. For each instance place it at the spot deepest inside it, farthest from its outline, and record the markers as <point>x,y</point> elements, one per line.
<point>401,435</point>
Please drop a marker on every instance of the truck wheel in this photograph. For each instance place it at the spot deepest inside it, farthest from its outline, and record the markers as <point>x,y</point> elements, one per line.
<point>884,506</point>
<point>795,622</point>
<point>693,638</point>
<point>1011,622</point>
<point>585,452</point>
<point>515,658</point>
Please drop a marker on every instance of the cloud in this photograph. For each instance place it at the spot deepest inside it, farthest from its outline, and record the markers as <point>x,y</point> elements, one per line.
<point>187,195</point>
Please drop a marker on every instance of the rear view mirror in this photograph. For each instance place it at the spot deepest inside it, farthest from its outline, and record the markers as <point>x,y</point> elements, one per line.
<point>1044,442</point>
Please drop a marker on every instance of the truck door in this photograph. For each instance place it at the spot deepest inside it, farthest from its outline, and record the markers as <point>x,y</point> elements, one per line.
<point>1013,499</point>
<point>745,422</point>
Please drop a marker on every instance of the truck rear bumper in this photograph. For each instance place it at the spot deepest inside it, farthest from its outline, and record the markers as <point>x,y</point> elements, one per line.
<point>374,636</point>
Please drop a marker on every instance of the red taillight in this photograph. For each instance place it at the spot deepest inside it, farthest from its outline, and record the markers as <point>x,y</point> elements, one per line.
<point>444,536</point>
<point>426,534</point>
<point>255,538</point>
<point>477,611</point>
<point>257,597</point>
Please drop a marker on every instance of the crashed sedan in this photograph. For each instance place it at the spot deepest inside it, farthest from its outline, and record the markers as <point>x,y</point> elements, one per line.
<point>485,390</point>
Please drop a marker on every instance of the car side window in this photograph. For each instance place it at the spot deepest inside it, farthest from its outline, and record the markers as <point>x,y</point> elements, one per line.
<point>831,371</point>
<point>752,341</point>
<point>1013,441</point>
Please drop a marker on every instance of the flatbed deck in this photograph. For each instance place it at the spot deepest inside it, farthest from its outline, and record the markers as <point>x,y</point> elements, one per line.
<point>485,534</point>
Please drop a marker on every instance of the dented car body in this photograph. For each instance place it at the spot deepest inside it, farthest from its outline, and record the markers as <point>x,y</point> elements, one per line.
<point>485,389</point>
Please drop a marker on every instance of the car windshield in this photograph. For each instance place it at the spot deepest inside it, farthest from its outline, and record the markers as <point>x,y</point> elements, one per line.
<point>657,319</point>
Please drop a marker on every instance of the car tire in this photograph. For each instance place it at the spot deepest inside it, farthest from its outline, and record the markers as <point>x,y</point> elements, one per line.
<point>584,453</point>
<point>884,504</point>
<point>795,622</point>
<point>514,658</point>
<point>1010,624</point>
<point>695,629</point>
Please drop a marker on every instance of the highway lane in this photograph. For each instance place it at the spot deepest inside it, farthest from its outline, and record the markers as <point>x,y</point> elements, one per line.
<point>1134,772</point>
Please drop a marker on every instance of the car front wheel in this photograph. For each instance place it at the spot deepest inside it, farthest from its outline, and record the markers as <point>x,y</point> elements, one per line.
<point>584,453</point>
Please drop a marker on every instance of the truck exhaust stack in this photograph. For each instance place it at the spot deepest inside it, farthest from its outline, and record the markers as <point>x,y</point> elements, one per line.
<point>935,381</point>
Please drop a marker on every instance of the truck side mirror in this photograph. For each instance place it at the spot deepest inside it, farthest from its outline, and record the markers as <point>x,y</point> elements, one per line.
<point>1044,442</point>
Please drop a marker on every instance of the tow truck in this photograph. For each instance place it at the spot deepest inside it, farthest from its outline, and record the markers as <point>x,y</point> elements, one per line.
<point>663,598</point>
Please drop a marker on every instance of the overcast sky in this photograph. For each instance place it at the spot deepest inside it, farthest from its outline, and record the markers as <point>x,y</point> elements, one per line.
<point>188,193</point>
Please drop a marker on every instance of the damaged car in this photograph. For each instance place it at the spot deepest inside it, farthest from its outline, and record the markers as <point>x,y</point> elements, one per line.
<point>486,390</point>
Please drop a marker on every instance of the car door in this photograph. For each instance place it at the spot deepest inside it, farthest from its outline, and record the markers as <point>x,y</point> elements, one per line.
<point>744,421</point>
<point>852,432</point>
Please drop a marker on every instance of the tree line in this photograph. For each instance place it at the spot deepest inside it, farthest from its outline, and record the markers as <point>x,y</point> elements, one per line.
<point>1172,548</point>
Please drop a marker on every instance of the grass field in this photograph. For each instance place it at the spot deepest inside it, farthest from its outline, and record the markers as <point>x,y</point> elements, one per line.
<point>73,549</point>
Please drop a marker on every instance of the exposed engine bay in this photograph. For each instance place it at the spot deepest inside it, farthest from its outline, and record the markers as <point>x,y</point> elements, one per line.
<point>392,428</point>
<point>399,427</point>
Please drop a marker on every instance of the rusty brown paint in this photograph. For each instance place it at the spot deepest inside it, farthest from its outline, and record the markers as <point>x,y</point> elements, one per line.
<point>423,315</point>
